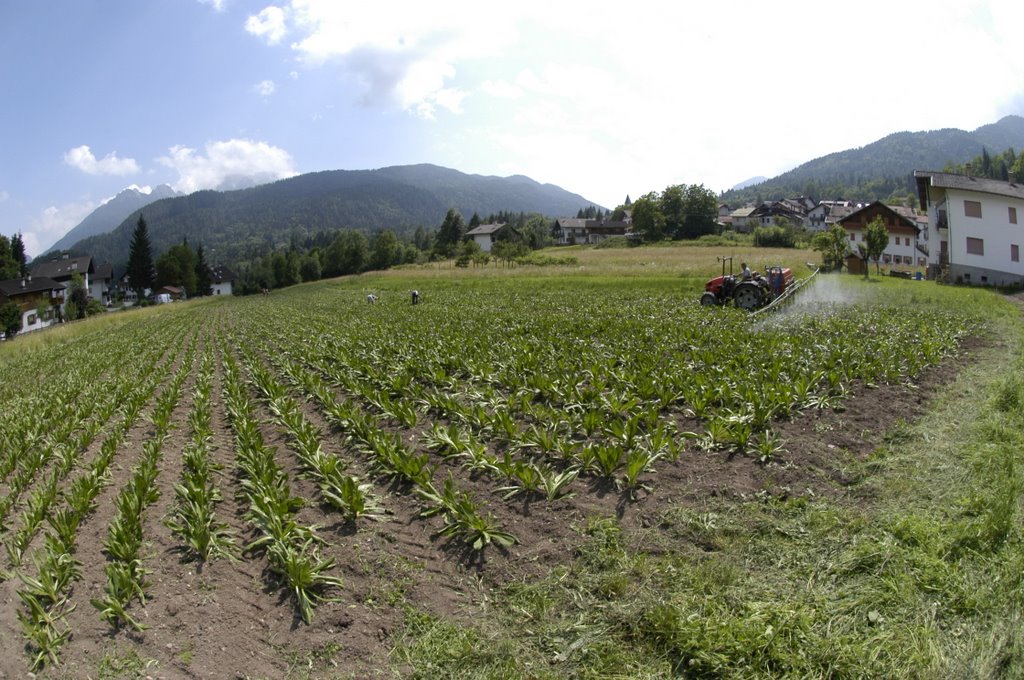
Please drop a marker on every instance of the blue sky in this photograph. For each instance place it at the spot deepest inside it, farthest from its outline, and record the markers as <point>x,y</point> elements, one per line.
<point>601,99</point>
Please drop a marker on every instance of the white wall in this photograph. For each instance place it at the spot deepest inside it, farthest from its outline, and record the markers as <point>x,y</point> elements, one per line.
<point>484,241</point>
<point>993,227</point>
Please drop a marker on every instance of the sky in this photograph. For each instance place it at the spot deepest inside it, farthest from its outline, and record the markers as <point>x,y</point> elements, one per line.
<point>602,99</point>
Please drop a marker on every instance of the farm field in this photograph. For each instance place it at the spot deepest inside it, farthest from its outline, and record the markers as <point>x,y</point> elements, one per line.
<point>543,472</point>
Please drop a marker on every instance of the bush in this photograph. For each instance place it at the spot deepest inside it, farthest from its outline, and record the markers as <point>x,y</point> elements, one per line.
<point>547,260</point>
<point>10,319</point>
<point>774,237</point>
<point>94,307</point>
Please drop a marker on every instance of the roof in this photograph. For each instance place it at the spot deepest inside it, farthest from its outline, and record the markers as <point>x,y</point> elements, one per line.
<point>32,284</point>
<point>173,290</point>
<point>838,212</point>
<point>64,267</point>
<point>573,222</point>
<point>104,271</point>
<point>221,274</point>
<point>782,208</point>
<point>878,206</point>
<point>740,213</point>
<point>485,229</point>
<point>945,180</point>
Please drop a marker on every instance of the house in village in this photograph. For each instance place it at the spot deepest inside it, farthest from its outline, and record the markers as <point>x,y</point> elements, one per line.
<point>40,300</point>
<point>101,283</point>
<point>741,221</point>
<point>579,230</point>
<point>976,225</point>
<point>486,234</point>
<point>62,269</point>
<point>903,248</point>
<point>220,280</point>
<point>168,293</point>
<point>766,214</point>
<point>827,213</point>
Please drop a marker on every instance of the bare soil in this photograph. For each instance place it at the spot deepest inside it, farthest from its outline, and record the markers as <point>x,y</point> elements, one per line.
<point>230,619</point>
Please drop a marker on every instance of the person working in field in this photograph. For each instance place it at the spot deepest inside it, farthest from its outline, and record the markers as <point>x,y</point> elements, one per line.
<point>746,271</point>
<point>415,297</point>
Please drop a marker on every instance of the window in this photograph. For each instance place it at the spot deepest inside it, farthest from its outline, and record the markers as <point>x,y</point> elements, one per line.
<point>906,241</point>
<point>30,320</point>
<point>1014,252</point>
<point>896,240</point>
<point>972,208</point>
<point>1013,215</point>
<point>975,246</point>
<point>853,236</point>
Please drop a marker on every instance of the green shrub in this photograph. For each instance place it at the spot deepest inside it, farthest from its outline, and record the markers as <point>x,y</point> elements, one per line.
<point>94,307</point>
<point>774,237</point>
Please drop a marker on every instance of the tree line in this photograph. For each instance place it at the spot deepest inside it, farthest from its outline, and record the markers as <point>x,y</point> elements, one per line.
<point>329,254</point>
<point>680,211</point>
<point>1007,166</point>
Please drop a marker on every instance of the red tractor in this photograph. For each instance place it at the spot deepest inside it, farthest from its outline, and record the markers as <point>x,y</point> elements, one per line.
<point>747,293</point>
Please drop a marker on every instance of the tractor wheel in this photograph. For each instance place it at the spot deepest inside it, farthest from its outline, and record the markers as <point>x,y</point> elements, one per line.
<point>708,299</point>
<point>748,296</point>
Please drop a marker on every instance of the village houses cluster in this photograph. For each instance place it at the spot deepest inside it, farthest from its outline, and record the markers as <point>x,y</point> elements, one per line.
<point>42,294</point>
<point>963,230</point>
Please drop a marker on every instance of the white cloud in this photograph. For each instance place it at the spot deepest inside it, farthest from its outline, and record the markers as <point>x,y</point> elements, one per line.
<point>218,5</point>
<point>4,196</point>
<point>699,93</point>
<point>52,223</point>
<point>81,157</point>
<point>227,163</point>
<point>265,88</point>
<point>502,89</point>
<point>270,24</point>
<point>401,54</point>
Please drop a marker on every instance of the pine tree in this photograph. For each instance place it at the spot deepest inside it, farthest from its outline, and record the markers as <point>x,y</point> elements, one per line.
<point>141,272</point>
<point>18,253</point>
<point>450,234</point>
<point>204,278</point>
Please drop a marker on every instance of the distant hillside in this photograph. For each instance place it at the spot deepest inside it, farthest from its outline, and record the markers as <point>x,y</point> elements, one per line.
<point>883,168</point>
<point>237,225</point>
<point>749,182</point>
<point>110,215</point>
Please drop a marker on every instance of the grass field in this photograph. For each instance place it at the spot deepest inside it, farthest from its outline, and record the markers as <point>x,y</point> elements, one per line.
<point>567,471</point>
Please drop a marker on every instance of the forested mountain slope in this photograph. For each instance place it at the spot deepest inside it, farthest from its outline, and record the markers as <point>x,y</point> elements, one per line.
<point>236,225</point>
<point>883,168</point>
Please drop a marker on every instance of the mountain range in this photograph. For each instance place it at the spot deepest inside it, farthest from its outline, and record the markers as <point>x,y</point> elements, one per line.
<point>249,222</point>
<point>238,225</point>
<point>885,167</point>
<point>108,216</point>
